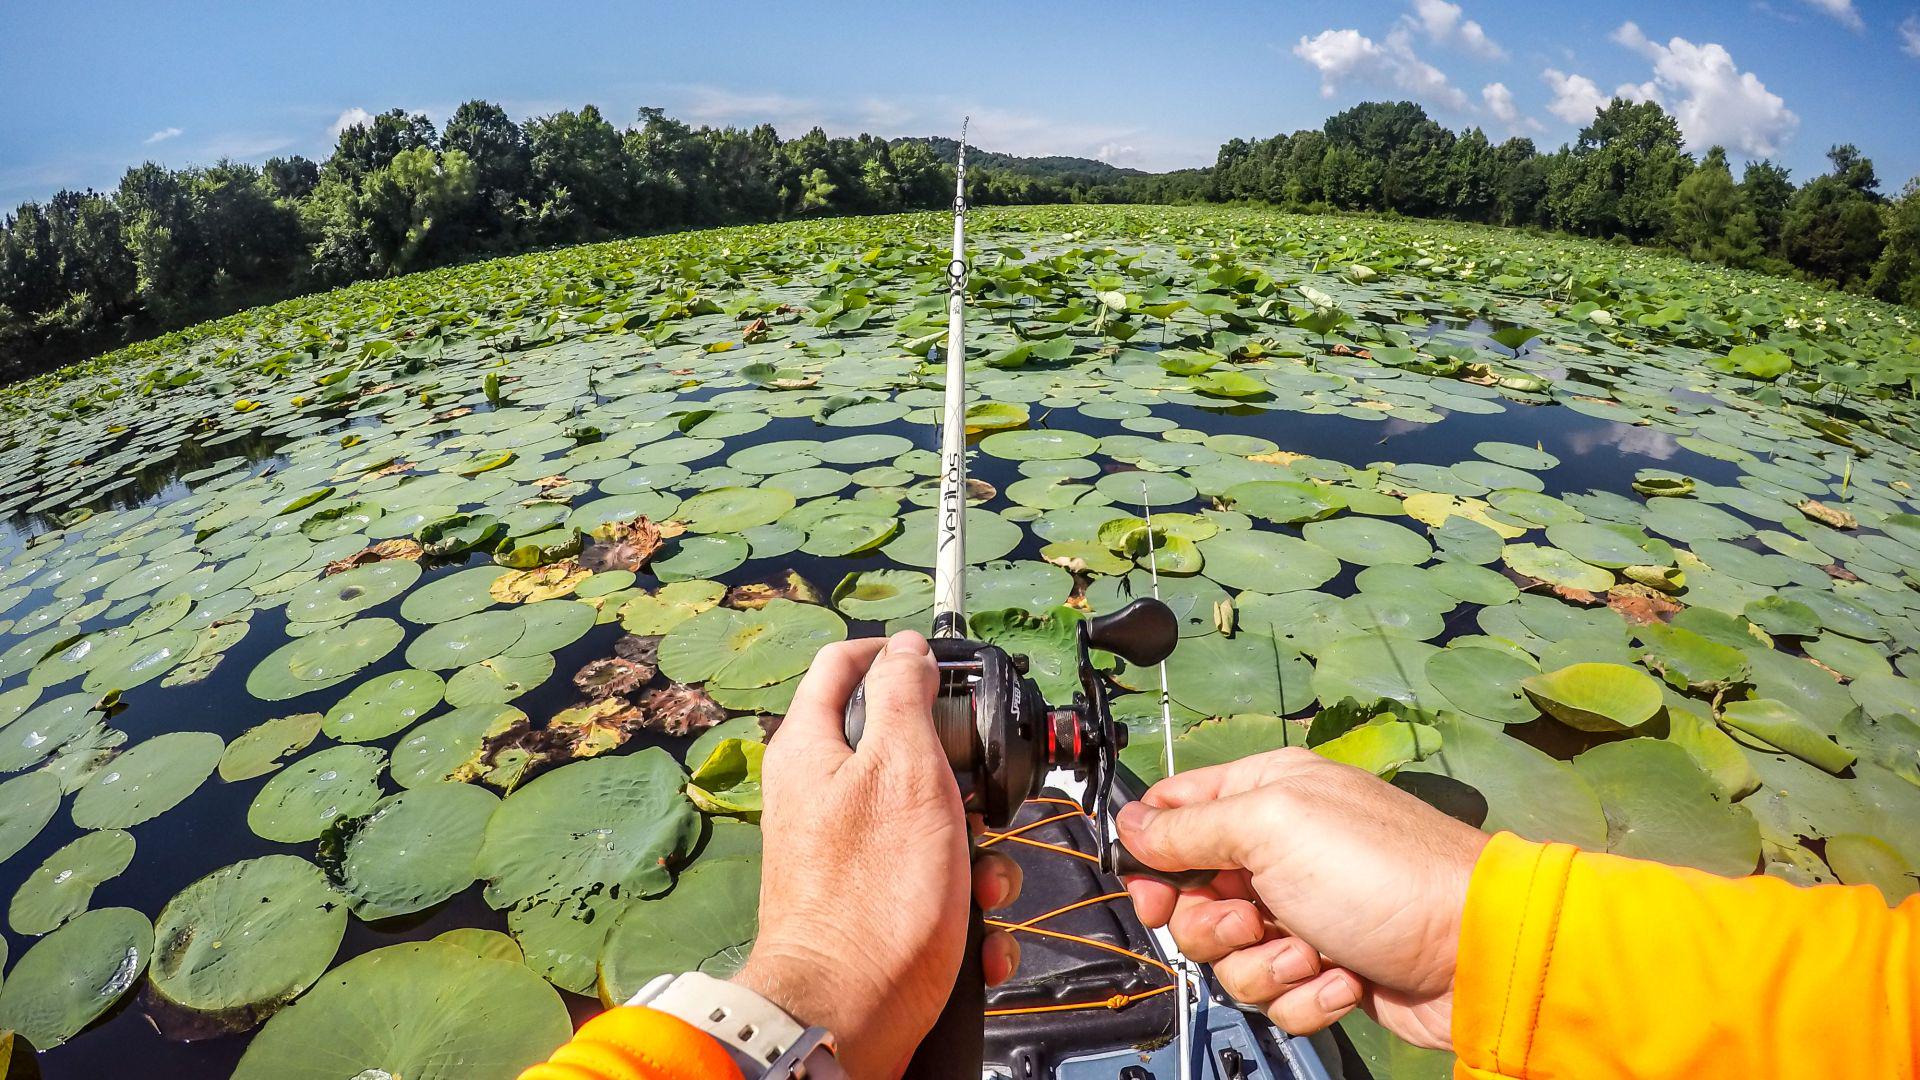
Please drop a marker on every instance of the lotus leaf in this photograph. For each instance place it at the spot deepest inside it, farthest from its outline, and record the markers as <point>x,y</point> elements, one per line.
<point>383,705</point>
<point>247,937</point>
<point>706,924</point>
<point>672,605</point>
<point>1659,806</point>
<point>64,884</point>
<point>883,594</point>
<point>447,598</point>
<point>497,680</point>
<point>306,797</point>
<point>727,780</point>
<point>731,509</point>
<point>1595,696</point>
<point>423,1011</point>
<point>1483,682</point>
<point>466,640</point>
<point>449,746</point>
<point>323,659</point>
<point>414,849</point>
<point>1368,541</point>
<point>27,803</point>
<point>748,649</point>
<point>584,827</point>
<point>350,592</point>
<point>75,974</point>
<point>1777,724</point>
<point>148,780</point>
<point>1869,860</point>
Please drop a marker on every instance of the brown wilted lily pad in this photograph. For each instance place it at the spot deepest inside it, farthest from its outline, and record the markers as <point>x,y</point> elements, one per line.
<point>639,648</point>
<point>1827,515</point>
<point>788,586</point>
<point>628,545</point>
<point>678,709</point>
<point>612,676</point>
<point>403,548</point>
<point>540,583</point>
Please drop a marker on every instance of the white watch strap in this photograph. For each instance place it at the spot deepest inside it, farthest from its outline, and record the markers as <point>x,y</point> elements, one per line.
<point>750,1026</point>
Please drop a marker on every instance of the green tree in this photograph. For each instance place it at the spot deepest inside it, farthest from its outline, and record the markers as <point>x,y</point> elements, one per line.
<point>405,203</point>
<point>579,184</point>
<point>1471,178</point>
<point>1620,177</point>
<point>1833,225</point>
<point>1896,276</point>
<point>1765,190</point>
<point>290,178</point>
<point>1708,221</point>
<point>361,148</point>
<point>497,148</point>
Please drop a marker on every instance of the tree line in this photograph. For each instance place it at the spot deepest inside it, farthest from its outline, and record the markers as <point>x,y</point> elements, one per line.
<point>1627,176</point>
<point>86,270</point>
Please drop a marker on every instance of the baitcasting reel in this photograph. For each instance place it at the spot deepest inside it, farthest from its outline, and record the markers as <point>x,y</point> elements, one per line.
<point>1000,734</point>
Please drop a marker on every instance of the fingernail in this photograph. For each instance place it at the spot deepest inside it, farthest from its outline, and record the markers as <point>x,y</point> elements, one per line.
<point>1245,930</point>
<point>1338,994</point>
<point>907,642</point>
<point>1293,967</point>
<point>1134,816</point>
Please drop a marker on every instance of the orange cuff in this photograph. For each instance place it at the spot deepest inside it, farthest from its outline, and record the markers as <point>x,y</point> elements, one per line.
<point>634,1042</point>
<point>1506,938</point>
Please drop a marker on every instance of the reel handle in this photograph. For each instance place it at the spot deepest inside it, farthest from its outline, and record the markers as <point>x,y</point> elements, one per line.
<point>1124,863</point>
<point>1143,633</point>
<point>956,1044</point>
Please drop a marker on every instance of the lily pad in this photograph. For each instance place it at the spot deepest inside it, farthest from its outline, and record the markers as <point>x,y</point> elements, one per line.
<point>27,803</point>
<point>148,780</point>
<point>306,797</point>
<point>1778,725</point>
<point>1483,682</point>
<point>1368,541</point>
<point>1660,806</point>
<point>1494,781</point>
<point>1372,666</point>
<point>748,649</point>
<point>75,974</point>
<point>731,509</point>
<point>453,596</point>
<point>466,640</point>
<point>1267,562</point>
<point>497,680</point>
<point>1555,567</point>
<point>63,885</point>
<point>323,659</point>
<point>423,1011</point>
<point>415,849</point>
<point>590,826</point>
<point>449,746</point>
<point>706,924</point>
<point>880,595</point>
<point>1595,696</point>
<point>343,595</point>
<point>383,705</point>
<point>247,937</point>
<point>1220,676</point>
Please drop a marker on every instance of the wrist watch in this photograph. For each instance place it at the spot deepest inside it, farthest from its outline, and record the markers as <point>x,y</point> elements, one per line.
<point>764,1041</point>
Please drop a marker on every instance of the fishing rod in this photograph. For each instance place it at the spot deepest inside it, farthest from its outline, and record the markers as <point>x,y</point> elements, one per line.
<point>1000,734</point>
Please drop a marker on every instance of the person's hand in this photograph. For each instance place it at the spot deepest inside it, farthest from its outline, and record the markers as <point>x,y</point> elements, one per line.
<point>864,881</point>
<point>1336,889</point>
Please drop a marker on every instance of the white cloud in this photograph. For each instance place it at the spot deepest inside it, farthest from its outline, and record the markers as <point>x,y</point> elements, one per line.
<point>1910,35</point>
<point>1715,102</point>
<point>161,136</point>
<point>1575,97</point>
<point>349,118</point>
<point>1340,55</point>
<point>1500,103</point>
<point>1842,10</point>
<point>1444,23</point>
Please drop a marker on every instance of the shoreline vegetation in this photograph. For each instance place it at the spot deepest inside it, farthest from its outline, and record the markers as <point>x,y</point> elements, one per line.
<point>88,272</point>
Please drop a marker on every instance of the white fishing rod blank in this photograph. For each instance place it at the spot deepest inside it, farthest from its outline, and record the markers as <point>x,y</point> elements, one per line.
<point>950,554</point>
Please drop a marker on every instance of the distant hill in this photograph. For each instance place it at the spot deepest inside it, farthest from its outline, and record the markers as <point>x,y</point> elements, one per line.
<point>1069,169</point>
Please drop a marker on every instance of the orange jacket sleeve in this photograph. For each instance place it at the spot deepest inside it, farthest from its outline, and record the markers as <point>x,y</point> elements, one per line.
<point>1575,964</point>
<point>637,1043</point>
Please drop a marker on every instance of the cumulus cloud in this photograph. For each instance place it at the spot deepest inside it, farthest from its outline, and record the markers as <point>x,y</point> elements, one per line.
<point>349,118</point>
<point>1444,23</point>
<point>1500,103</point>
<point>1910,35</point>
<point>162,136</point>
<point>1348,55</point>
<point>1715,102</point>
<point>1841,10</point>
<point>1575,97</point>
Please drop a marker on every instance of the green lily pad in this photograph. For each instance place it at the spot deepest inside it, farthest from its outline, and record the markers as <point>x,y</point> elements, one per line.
<point>1382,747</point>
<point>1367,541</point>
<point>731,509</point>
<point>247,937</point>
<point>670,606</point>
<point>1483,682</point>
<point>727,780</point>
<point>1783,616</point>
<point>1494,781</point>
<point>1039,445</point>
<point>323,659</point>
<point>449,746</point>
<point>1267,562</point>
<point>498,680</point>
<point>148,780</point>
<point>306,797</point>
<point>1030,586</point>
<point>1220,676</point>
<point>1209,742</point>
<point>880,595</point>
<point>466,640</point>
<point>27,803</point>
<point>706,924</point>
<point>75,974</point>
<point>423,1011</point>
<point>748,649</point>
<point>259,750</point>
<point>989,537</point>
<point>63,885</point>
<point>1370,666</point>
<point>1869,860</point>
<point>702,557</point>
<point>1595,696</point>
<point>1778,725</point>
<point>1555,567</point>
<point>350,592</point>
<point>447,598</point>
<point>588,826</point>
<point>1285,502</point>
<point>1689,661</point>
<point>849,533</point>
<point>415,849</point>
<point>1660,806</point>
<point>383,705</point>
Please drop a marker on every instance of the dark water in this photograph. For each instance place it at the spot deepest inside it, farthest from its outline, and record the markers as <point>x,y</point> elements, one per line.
<point>208,831</point>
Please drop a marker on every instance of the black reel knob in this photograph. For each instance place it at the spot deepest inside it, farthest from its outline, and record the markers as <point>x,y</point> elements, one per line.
<point>1143,633</point>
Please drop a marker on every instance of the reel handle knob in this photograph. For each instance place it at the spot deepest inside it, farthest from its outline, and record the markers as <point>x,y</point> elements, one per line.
<point>1123,863</point>
<point>1143,633</point>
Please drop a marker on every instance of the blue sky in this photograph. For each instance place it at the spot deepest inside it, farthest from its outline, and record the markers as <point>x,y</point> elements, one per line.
<point>88,88</point>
